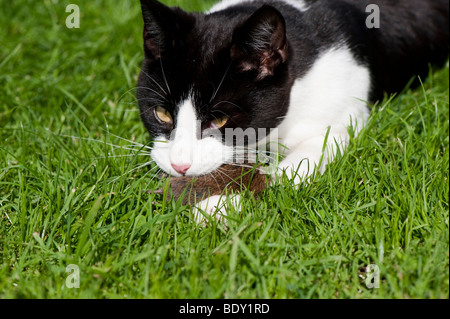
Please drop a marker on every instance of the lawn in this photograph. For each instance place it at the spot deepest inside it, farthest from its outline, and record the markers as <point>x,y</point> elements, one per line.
<point>74,168</point>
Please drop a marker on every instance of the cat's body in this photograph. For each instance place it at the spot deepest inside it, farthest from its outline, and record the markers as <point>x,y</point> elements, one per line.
<point>304,68</point>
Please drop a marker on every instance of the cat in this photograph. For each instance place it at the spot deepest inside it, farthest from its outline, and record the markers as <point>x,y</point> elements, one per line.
<point>303,71</point>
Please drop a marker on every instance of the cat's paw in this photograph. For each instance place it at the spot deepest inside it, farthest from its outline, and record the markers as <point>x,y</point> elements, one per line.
<point>298,174</point>
<point>216,207</point>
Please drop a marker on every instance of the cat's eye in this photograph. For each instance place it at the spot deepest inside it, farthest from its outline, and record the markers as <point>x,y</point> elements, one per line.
<point>163,115</point>
<point>219,122</point>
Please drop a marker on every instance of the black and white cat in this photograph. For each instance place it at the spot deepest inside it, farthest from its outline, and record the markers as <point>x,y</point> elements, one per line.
<point>305,69</point>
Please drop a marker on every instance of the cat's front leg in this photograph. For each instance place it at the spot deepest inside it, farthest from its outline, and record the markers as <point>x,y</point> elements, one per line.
<point>216,207</point>
<point>303,159</point>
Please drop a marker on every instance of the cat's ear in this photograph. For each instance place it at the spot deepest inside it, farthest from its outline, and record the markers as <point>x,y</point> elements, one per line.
<point>260,43</point>
<point>164,27</point>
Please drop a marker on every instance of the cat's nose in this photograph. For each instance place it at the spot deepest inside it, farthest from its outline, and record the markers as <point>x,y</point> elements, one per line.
<point>182,169</point>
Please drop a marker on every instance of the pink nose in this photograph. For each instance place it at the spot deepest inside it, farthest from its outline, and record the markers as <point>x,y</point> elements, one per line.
<point>182,169</point>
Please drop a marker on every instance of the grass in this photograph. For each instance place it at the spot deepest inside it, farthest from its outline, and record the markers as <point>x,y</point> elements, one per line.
<point>69,197</point>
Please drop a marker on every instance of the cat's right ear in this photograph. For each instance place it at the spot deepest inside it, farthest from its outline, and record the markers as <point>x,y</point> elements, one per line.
<point>164,28</point>
<point>260,44</point>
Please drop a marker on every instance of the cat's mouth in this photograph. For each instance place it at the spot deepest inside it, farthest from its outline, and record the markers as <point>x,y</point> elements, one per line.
<point>199,158</point>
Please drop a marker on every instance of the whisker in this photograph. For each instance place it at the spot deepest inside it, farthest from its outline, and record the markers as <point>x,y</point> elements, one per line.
<point>133,170</point>
<point>154,81</point>
<point>151,179</point>
<point>116,156</point>
<point>130,103</point>
<point>231,179</point>
<point>221,82</point>
<point>219,112</point>
<point>155,170</point>
<point>164,76</point>
<point>125,147</point>
<point>154,176</point>
<point>126,92</point>
<point>214,178</point>
<point>133,142</point>
<point>254,158</point>
<point>158,101</point>
<point>136,101</point>
<point>239,165</point>
<point>149,89</point>
<point>243,150</point>
<point>220,174</point>
<point>229,102</point>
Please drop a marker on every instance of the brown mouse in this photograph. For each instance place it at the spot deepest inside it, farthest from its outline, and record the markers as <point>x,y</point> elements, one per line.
<point>230,177</point>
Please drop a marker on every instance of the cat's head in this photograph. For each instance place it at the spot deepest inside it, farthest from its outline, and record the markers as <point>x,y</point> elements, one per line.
<point>205,75</point>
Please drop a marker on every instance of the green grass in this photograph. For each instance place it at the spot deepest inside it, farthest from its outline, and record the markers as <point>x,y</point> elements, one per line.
<point>67,200</point>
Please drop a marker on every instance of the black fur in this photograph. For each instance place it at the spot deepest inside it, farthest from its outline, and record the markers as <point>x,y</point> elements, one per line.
<point>215,59</point>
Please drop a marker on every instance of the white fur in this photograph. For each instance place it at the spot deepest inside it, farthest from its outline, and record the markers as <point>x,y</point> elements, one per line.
<point>215,207</point>
<point>224,4</point>
<point>186,147</point>
<point>331,95</point>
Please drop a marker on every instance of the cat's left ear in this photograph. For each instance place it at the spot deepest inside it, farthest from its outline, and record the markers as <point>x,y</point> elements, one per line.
<point>260,43</point>
<point>164,28</point>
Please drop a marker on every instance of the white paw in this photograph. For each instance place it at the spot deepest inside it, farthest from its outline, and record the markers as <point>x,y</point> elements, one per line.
<point>215,207</point>
<point>297,173</point>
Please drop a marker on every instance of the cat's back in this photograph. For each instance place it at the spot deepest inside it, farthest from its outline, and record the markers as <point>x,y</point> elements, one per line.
<point>411,35</point>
